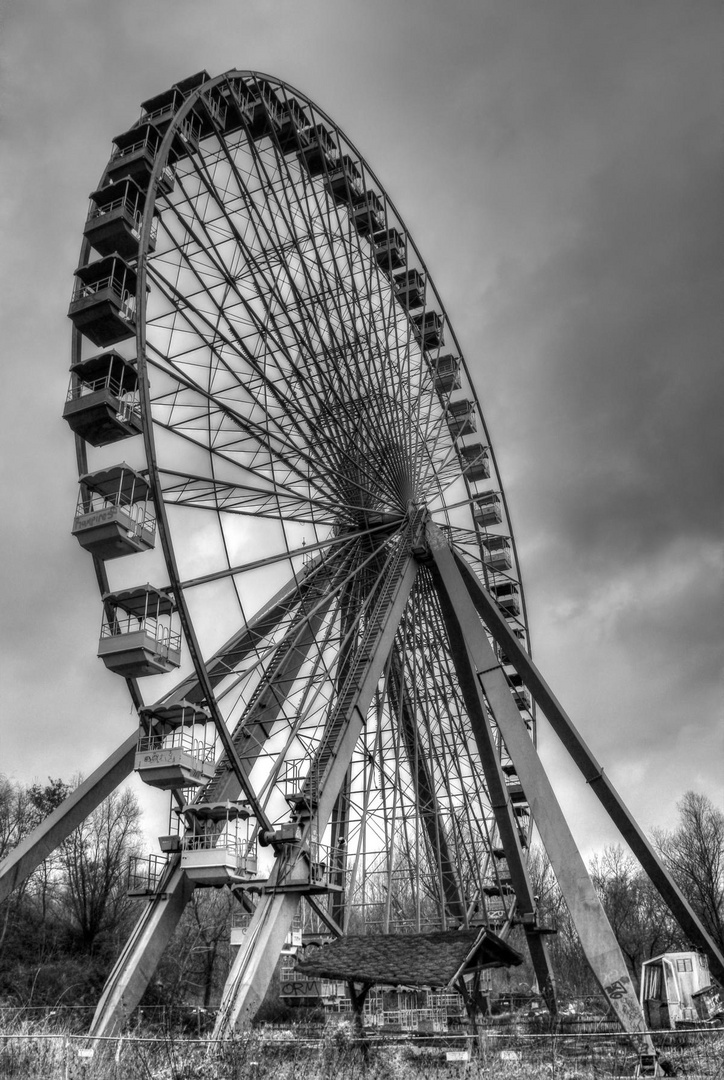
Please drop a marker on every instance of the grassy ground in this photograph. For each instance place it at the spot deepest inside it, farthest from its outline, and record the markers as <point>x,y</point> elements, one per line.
<point>32,1052</point>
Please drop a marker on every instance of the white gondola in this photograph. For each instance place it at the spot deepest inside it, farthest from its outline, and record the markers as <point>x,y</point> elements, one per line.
<point>138,636</point>
<point>488,508</point>
<point>176,747</point>
<point>474,460</point>
<point>428,329</point>
<point>497,552</point>
<point>461,418</point>
<point>103,403</point>
<point>507,596</point>
<point>103,307</point>
<point>410,289</point>
<point>446,373</point>
<point>215,848</point>
<point>113,516</point>
<point>115,217</point>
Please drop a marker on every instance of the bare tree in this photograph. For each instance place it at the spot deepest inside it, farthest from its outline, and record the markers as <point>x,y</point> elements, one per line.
<point>694,853</point>
<point>93,864</point>
<point>195,965</point>
<point>574,977</point>
<point>62,927</point>
<point>21,810</point>
<point>639,918</point>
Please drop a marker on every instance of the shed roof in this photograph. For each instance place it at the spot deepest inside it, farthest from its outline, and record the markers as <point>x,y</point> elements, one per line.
<point>434,959</point>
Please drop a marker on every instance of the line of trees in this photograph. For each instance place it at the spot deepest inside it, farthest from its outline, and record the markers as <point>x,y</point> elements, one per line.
<point>62,930</point>
<point>693,852</point>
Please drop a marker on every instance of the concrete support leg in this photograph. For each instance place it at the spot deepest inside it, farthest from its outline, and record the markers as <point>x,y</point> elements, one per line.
<point>592,772</point>
<point>253,967</point>
<point>499,799</point>
<point>597,938</point>
<point>138,961</point>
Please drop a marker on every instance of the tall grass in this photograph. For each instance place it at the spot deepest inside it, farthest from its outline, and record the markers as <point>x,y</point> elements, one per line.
<point>32,1051</point>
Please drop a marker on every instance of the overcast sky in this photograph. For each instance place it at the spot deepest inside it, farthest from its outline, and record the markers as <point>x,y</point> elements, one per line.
<point>559,164</point>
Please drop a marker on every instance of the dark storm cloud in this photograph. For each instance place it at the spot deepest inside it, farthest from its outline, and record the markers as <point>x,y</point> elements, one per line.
<point>559,166</point>
<point>632,363</point>
<point>598,325</point>
<point>610,319</point>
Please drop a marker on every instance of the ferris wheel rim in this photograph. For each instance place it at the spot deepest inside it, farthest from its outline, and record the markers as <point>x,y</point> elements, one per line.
<point>178,583</point>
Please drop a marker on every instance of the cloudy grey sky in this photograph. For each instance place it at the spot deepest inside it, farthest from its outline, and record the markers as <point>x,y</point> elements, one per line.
<point>559,164</point>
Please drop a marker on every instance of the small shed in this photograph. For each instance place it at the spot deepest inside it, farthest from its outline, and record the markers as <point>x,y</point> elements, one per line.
<point>442,958</point>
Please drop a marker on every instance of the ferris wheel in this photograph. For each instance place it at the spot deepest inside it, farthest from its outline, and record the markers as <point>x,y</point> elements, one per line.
<point>308,573</point>
<point>296,407</point>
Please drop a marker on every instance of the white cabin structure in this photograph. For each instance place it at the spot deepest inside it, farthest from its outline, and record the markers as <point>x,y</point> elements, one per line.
<point>671,985</point>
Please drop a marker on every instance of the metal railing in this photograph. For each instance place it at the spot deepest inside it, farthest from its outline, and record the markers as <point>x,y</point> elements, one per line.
<point>124,202</point>
<point>103,382</point>
<point>129,206</point>
<point>126,299</point>
<point>145,872</point>
<point>149,141</point>
<point>166,639</point>
<point>178,740</point>
<point>140,517</point>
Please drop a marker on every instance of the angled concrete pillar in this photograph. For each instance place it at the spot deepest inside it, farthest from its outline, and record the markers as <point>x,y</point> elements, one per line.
<point>597,938</point>
<point>136,965</point>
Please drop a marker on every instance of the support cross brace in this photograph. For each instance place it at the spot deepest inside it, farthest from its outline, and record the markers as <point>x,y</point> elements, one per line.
<point>501,805</point>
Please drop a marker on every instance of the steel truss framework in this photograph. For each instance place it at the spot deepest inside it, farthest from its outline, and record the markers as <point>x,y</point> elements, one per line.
<point>334,538</point>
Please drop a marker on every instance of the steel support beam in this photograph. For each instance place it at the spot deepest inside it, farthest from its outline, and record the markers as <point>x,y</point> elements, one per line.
<point>425,789</point>
<point>594,930</point>
<point>340,814</point>
<point>254,728</point>
<point>59,824</point>
<point>338,846</point>
<point>254,965</point>
<point>591,770</point>
<point>501,805</point>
